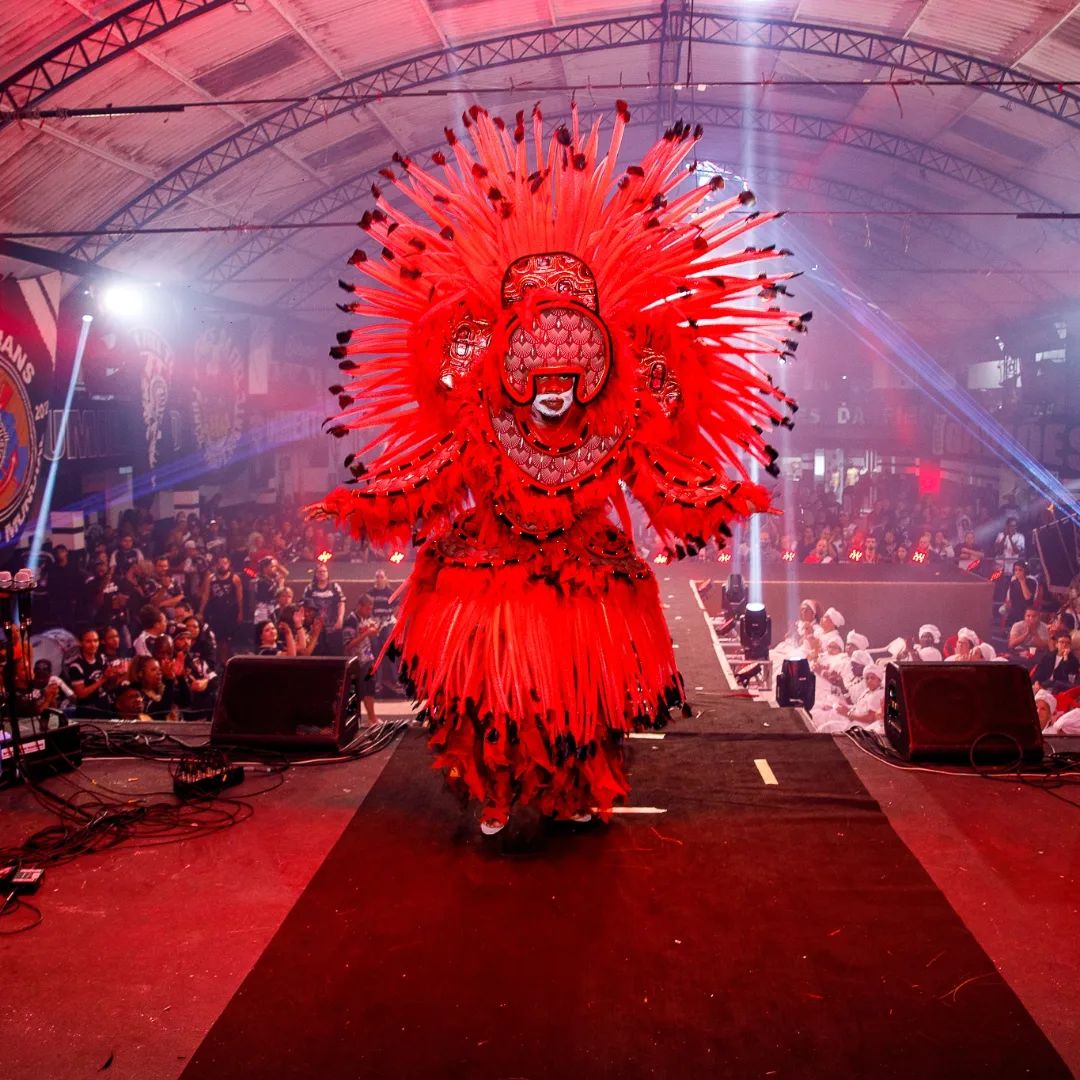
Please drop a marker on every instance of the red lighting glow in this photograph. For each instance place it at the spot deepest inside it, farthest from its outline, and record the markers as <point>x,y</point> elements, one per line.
<point>397,556</point>
<point>974,564</point>
<point>324,556</point>
<point>997,574</point>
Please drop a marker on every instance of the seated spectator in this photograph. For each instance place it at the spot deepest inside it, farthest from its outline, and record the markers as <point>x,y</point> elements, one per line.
<point>1045,707</point>
<point>929,640</point>
<point>158,692</point>
<point>272,640</point>
<point>112,647</point>
<point>1029,636</point>
<point>969,551</point>
<point>966,642</point>
<point>87,677</point>
<point>1022,592</point>
<point>196,675</point>
<point>203,642</point>
<point>44,693</point>
<point>832,620</point>
<point>821,553</point>
<point>153,624</point>
<point>941,547</point>
<point>869,709</point>
<point>1057,670</point>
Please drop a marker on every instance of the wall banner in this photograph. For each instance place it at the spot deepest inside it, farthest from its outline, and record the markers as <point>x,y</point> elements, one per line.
<point>28,309</point>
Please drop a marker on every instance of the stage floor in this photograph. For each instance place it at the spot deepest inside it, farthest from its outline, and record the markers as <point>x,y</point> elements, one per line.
<point>849,919</point>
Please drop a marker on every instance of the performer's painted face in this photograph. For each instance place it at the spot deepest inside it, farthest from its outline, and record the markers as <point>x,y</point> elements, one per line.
<point>552,396</point>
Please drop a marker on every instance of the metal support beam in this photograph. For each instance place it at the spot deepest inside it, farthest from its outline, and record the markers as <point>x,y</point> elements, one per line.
<point>907,151</point>
<point>94,47</point>
<point>356,190</point>
<point>862,47</point>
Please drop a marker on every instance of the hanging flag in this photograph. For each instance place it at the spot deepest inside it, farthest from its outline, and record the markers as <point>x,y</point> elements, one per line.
<point>28,309</point>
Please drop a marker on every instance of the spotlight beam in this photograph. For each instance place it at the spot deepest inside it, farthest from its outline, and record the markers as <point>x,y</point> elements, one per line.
<point>61,436</point>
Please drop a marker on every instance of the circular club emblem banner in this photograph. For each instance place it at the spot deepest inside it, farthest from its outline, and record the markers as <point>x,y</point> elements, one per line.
<point>27,351</point>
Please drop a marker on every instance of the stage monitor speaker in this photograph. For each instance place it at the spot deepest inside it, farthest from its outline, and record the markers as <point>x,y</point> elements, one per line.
<point>957,710</point>
<point>290,702</point>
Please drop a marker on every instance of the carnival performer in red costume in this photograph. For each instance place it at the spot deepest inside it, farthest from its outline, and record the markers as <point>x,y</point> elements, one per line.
<point>543,336</point>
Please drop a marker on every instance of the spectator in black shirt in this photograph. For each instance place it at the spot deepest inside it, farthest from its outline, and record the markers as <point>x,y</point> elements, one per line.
<point>1057,670</point>
<point>126,555</point>
<point>65,584</point>
<point>167,591</point>
<point>203,643</point>
<point>88,677</point>
<point>329,601</point>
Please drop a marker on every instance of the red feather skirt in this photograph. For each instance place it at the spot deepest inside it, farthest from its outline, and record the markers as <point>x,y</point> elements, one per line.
<point>534,660</point>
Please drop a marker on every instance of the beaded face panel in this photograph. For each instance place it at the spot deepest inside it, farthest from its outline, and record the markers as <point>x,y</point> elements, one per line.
<point>562,341</point>
<point>553,469</point>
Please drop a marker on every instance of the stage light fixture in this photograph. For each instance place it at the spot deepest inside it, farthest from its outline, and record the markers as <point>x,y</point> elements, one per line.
<point>324,556</point>
<point>734,595</point>
<point>788,556</point>
<point>724,556</point>
<point>796,685</point>
<point>397,556</point>
<point>755,632</point>
<point>122,302</point>
<point>854,555</point>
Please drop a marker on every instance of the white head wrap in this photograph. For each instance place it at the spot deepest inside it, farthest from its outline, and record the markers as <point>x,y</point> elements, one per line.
<point>860,641</point>
<point>861,656</point>
<point>837,618</point>
<point>874,669</point>
<point>832,638</point>
<point>932,630</point>
<point>987,651</point>
<point>896,647</point>
<point>968,635</point>
<point>928,652</point>
<point>1045,695</point>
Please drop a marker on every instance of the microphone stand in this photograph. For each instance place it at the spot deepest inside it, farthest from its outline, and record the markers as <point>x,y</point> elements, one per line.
<point>7,618</point>
<point>15,614</point>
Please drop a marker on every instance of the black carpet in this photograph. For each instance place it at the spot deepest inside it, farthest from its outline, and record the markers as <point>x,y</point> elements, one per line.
<point>750,931</point>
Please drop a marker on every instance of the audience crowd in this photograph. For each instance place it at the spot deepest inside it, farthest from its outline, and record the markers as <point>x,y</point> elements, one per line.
<point>142,621</point>
<point>850,671</point>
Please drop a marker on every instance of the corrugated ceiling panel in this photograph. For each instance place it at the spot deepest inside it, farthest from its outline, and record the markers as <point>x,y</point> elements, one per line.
<point>890,16</point>
<point>364,34</point>
<point>568,11</point>
<point>359,128</point>
<point>486,18</point>
<point>50,185</point>
<point>258,189</point>
<point>219,37</point>
<point>1054,58</point>
<point>1000,31</point>
<point>28,30</point>
<point>159,142</point>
